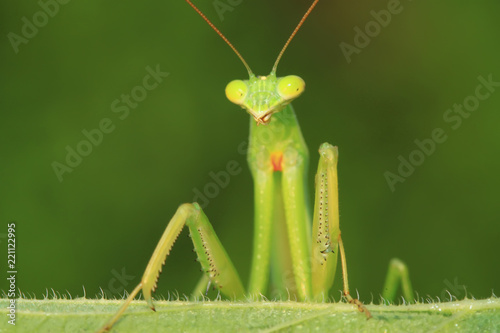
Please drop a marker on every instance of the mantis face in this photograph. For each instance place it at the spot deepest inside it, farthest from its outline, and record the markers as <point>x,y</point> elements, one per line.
<point>264,95</point>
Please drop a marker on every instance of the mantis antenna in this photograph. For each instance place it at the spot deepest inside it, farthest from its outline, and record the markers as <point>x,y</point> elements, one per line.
<point>293,34</point>
<point>222,36</point>
<point>250,73</point>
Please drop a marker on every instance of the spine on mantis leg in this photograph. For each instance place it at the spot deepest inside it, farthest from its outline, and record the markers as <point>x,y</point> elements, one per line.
<point>325,223</point>
<point>213,258</point>
<point>153,270</point>
<point>151,274</point>
<point>327,243</point>
<point>211,254</point>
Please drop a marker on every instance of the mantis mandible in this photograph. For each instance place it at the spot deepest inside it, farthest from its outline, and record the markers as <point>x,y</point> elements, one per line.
<point>300,260</point>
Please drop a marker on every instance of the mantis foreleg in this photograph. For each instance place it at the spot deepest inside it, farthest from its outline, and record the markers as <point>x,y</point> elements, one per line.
<point>211,254</point>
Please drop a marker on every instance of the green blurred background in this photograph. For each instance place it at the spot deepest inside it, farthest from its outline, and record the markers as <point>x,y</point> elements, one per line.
<point>105,217</point>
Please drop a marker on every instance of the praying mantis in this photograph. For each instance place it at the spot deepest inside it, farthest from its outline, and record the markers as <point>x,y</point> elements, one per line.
<point>300,260</point>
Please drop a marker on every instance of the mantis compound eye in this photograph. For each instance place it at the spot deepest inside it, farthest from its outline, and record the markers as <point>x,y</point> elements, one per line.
<point>291,86</point>
<point>236,91</point>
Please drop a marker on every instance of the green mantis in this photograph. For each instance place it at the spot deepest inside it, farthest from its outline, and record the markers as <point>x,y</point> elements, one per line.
<point>297,260</point>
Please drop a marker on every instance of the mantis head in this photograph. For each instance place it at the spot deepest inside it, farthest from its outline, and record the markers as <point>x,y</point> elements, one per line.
<point>264,95</point>
<point>261,96</point>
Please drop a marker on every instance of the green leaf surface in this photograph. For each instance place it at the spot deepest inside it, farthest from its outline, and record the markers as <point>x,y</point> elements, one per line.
<point>85,315</point>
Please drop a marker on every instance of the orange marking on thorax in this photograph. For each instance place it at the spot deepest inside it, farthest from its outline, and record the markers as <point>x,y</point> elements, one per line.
<point>277,160</point>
